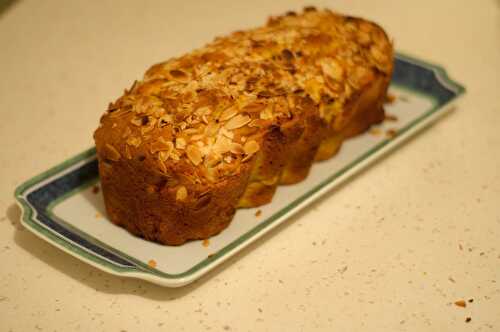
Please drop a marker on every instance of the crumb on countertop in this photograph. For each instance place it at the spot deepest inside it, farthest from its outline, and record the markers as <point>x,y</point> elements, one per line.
<point>258,213</point>
<point>206,242</point>
<point>461,303</point>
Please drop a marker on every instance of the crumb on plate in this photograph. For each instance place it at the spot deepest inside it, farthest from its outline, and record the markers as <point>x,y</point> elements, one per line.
<point>152,263</point>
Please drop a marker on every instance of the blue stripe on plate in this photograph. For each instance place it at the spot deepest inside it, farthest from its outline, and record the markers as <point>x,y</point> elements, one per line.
<point>43,196</point>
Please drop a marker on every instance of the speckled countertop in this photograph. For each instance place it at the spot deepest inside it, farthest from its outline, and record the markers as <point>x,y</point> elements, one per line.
<point>392,250</point>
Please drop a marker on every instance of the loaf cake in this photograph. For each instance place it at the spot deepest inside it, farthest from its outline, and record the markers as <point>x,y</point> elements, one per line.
<point>221,127</point>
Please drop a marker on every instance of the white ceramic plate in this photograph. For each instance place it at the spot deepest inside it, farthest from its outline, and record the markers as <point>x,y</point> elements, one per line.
<point>62,207</point>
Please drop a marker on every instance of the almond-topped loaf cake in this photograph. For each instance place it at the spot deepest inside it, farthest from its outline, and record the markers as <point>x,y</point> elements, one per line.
<point>220,127</point>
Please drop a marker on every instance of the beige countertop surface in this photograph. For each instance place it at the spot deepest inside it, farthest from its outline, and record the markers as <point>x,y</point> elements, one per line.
<point>390,251</point>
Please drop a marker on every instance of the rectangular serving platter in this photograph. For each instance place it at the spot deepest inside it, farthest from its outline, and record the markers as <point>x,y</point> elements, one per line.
<point>63,207</point>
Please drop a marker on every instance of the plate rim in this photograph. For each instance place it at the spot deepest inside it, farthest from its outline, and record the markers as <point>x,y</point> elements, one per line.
<point>143,271</point>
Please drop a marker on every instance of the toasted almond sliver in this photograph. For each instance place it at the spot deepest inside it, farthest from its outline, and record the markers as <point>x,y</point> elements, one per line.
<point>119,112</point>
<point>237,122</point>
<point>162,166</point>
<point>163,155</point>
<point>134,141</point>
<point>204,119</point>
<point>181,193</point>
<point>256,123</point>
<point>196,137</point>
<point>332,68</point>
<point>127,152</point>
<point>222,145</point>
<point>194,154</point>
<point>202,110</point>
<point>212,159</point>
<point>251,147</point>
<point>266,113</point>
<point>211,129</point>
<point>190,131</point>
<point>127,132</point>
<point>112,153</point>
<point>174,155</point>
<point>167,118</point>
<point>229,134</point>
<point>254,107</point>
<point>180,143</point>
<point>136,122</point>
<point>161,145</point>
<point>236,148</point>
<point>228,113</point>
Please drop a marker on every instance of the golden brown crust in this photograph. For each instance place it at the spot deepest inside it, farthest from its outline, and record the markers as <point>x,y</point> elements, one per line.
<point>221,127</point>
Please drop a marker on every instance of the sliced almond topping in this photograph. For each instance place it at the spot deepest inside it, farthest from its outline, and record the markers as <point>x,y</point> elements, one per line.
<point>204,119</point>
<point>145,130</point>
<point>159,112</point>
<point>194,154</point>
<point>190,131</point>
<point>228,113</point>
<point>162,166</point>
<point>163,155</point>
<point>259,123</point>
<point>243,139</point>
<point>212,159</point>
<point>361,77</point>
<point>196,137</point>
<point>136,121</point>
<point>211,129</point>
<point>127,152</point>
<point>204,110</point>
<point>251,147</point>
<point>118,113</point>
<point>266,114</point>
<point>126,132</point>
<point>237,122</point>
<point>180,143</point>
<point>227,133</point>
<point>332,68</point>
<point>377,54</point>
<point>174,155</point>
<point>161,145</point>
<point>222,145</point>
<point>236,148</point>
<point>134,141</point>
<point>181,193</point>
<point>179,75</point>
<point>167,118</point>
<point>254,107</point>
<point>363,38</point>
<point>228,159</point>
<point>112,153</point>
